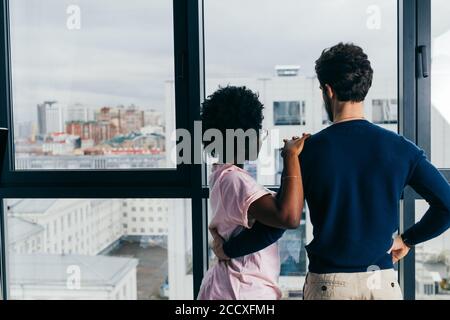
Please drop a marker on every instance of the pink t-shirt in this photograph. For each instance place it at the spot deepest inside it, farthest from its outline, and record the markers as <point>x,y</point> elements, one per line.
<point>254,276</point>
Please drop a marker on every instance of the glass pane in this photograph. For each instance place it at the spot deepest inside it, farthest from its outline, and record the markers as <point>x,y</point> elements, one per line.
<point>440,78</point>
<point>114,249</point>
<point>432,263</point>
<point>92,83</point>
<point>272,51</point>
<point>293,258</point>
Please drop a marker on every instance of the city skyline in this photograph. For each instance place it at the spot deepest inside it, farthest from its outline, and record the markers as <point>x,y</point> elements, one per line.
<point>91,131</point>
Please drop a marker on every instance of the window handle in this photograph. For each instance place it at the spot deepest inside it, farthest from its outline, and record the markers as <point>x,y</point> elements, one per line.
<point>423,61</point>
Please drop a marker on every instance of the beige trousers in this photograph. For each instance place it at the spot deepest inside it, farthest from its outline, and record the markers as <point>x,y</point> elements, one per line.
<point>373,285</point>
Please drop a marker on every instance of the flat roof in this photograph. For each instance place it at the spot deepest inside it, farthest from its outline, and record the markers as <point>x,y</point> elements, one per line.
<point>31,206</point>
<point>54,270</point>
<point>19,229</point>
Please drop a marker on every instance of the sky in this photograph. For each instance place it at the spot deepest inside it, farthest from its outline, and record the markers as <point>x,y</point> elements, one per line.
<point>123,51</point>
<point>256,35</point>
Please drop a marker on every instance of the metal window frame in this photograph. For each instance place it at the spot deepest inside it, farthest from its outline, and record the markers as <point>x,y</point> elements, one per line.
<point>423,113</point>
<point>196,95</point>
<point>407,124</point>
<point>57,180</point>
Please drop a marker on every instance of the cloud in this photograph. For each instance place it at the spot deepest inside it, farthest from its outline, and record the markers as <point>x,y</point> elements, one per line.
<point>255,35</point>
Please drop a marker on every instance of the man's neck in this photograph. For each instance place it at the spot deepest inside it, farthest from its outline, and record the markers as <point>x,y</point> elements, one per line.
<point>348,111</point>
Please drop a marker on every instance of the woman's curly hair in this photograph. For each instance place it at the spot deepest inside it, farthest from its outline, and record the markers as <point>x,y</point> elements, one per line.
<point>346,69</point>
<point>232,107</point>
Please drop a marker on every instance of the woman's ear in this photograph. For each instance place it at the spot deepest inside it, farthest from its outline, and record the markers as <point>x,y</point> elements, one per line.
<point>329,91</point>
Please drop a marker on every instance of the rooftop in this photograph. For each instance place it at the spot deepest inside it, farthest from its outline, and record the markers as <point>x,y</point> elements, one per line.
<point>53,270</point>
<point>31,206</point>
<point>19,229</point>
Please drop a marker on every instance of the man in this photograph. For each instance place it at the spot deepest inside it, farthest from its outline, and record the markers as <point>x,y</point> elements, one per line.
<point>354,173</point>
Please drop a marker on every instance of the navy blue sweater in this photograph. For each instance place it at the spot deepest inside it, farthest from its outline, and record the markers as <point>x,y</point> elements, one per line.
<point>354,174</point>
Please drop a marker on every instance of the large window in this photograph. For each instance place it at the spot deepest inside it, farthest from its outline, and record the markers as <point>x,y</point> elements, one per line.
<point>92,84</point>
<point>440,78</point>
<point>99,248</point>
<point>276,60</point>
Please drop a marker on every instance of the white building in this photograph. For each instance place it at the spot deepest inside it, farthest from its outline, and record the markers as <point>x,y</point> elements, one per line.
<point>147,217</point>
<point>72,277</point>
<point>24,237</point>
<point>51,117</point>
<point>78,112</point>
<point>72,225</point>
<point>440,133</point>
<point>51,229</point>
<point>167,223</point>
<point>58,144</point>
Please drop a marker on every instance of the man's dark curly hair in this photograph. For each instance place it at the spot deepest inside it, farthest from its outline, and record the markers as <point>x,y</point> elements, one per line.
<point>232,107</point>
<point>346,69</point>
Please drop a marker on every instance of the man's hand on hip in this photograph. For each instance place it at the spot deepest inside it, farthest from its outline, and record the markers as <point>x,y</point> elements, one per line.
<point>398,250</point>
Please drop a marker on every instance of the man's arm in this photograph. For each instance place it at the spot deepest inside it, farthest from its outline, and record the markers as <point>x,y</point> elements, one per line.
<point>427,181</point>
<point>252,240</point>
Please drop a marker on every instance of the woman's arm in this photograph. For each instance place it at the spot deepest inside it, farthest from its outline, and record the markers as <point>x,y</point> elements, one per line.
<point>286,212</point>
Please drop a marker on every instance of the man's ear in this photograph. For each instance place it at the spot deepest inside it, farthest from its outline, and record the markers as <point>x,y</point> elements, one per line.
<point>329,91</point>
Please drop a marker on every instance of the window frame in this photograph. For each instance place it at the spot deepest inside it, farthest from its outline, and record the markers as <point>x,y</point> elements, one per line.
<point>419,118</point>
<point>157,177</point>
<point>407,124</point>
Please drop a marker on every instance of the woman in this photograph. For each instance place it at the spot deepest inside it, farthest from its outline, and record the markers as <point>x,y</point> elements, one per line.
<point>237,200</point>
